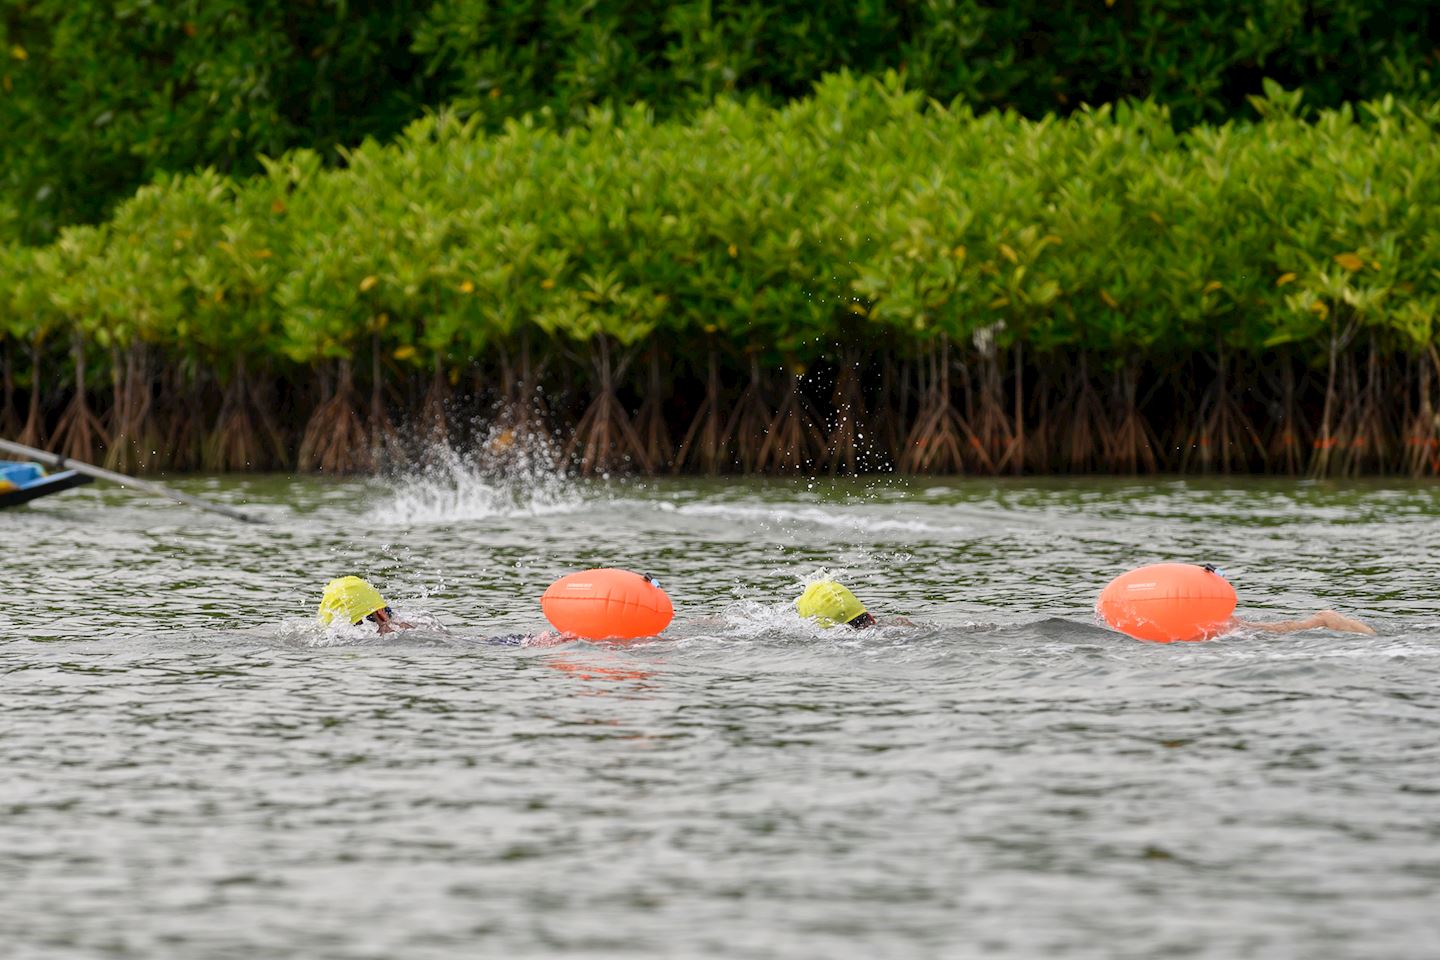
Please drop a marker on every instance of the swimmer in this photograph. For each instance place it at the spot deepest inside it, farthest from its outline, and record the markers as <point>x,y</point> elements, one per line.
<point>1166,602</point>
<point>354,601</point>
<point>1325,619</point>
<point>829,604</point>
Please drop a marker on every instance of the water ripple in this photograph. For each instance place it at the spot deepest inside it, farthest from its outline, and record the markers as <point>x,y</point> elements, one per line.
<point>194,768</point>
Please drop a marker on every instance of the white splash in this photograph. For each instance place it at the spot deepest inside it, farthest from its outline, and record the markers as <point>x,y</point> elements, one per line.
<point>506,475</point>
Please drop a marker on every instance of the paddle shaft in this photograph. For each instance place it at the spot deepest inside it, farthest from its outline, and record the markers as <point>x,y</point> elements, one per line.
<point>58,462</point>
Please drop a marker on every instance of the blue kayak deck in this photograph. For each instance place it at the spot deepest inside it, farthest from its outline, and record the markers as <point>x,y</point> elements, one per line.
<point>30,484</point>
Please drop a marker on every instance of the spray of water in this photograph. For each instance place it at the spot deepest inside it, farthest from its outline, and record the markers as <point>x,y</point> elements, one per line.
<point>506,474</point>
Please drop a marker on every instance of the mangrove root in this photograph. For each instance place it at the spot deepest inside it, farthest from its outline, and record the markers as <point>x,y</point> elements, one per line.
<point>80,433</point>
<point>703,444</point>
<point>604,439</point>
<point>794,440</point>
<point>335,439</point>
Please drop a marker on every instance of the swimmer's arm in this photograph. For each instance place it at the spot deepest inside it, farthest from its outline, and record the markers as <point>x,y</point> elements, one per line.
<point>897,622</point>
<point>1327,619</point>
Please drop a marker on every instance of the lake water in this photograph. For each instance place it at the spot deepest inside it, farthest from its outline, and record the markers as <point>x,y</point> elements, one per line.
<point>192,769</point>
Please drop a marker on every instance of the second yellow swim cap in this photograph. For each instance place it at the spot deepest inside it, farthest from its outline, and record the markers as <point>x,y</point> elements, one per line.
<point>349,599</point>
<point>828,604</point>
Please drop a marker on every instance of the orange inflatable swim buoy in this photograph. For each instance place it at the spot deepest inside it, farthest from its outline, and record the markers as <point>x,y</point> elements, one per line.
<point>607,604</point>
<point>1166,602</point>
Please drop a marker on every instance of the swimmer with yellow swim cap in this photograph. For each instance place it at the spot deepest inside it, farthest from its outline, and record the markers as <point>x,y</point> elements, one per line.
<point>830,604</point>
<point>352,600</point>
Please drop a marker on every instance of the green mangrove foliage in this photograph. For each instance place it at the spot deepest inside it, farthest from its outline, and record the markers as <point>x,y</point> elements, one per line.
<point>859,280</point>
<point>98,97</point>
<point>506,57</point>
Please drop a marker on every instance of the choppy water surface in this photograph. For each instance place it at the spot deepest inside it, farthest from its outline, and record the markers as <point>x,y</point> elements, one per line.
<point>191,769</point>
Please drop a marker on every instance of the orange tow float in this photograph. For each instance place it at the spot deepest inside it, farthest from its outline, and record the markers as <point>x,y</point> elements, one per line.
<point>607,604</point>
<point>1166,602</point>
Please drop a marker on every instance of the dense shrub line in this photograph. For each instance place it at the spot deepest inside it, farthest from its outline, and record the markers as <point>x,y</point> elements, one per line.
<point>98,97</point>
<point>857,275</point>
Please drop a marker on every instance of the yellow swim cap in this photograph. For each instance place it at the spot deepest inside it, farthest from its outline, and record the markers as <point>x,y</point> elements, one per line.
<point>350,599</point>
<point>828,604</point>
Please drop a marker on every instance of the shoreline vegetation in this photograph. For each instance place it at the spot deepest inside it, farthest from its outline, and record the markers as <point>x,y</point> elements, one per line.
<point>98,99</point>
<point>860,280</point>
